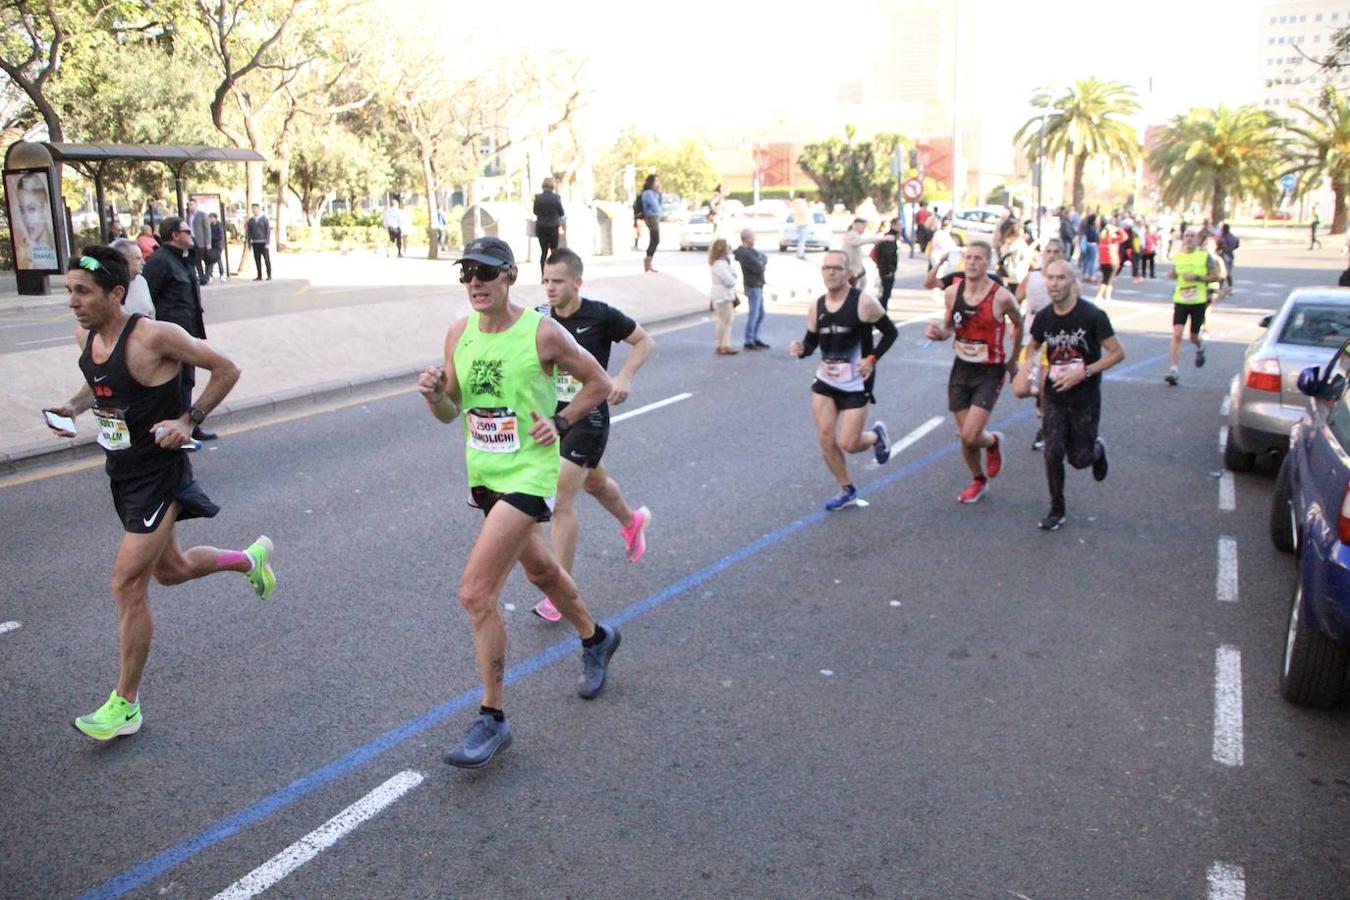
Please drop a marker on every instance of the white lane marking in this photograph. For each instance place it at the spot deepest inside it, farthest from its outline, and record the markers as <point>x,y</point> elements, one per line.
<point>1226,406</point>
<point>672,328</point>
<point>321,838</point>
<point>10,626</point>
<point>1227,498</point>
<point>1228,706</point>
<point>649,407</point>
<point>913,437</point>
<point>1226,585</point>
<point>1226,882</point>
<point>52,340</point>
<point>1132,316</point>
<point>1223,436</point>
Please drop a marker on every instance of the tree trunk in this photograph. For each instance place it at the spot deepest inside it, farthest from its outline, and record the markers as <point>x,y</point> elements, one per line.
<point>1216,203</point>
<point>1338,212</point>
<point>429,181</point>
<point>1079,163</point>
<point>283,169</point>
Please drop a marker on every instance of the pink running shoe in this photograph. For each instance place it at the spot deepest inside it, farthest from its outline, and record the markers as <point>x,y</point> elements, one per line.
<point>545,610</point>
<point>632,535</point>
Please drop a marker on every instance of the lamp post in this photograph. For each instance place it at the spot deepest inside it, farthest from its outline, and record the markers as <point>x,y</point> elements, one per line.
<point>1040,166</point>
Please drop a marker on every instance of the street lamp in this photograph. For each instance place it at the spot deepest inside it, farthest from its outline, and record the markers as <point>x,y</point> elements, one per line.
<point>1040,165</point>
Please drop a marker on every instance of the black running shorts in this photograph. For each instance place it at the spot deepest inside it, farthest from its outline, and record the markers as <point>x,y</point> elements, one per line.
<point>842,399</point>
<point>974,384</point>
<point>584,443</point>
<point>1193,311</point>
<point>142,500</point>
<point>538,508</point>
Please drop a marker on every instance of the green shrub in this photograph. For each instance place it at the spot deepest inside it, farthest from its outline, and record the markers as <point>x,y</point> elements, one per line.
<point>775,193</point>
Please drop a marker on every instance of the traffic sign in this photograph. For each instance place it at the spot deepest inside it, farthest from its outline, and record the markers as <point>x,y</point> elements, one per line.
<point>1287,182</point>
<point>912,189</point>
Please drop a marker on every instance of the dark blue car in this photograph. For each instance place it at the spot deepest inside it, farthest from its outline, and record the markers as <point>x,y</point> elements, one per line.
<point>1310,516</point>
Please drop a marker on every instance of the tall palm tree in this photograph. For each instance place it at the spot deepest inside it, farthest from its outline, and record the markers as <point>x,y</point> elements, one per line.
<point>1320,147</point>
<point>1086,122</point>
<point>1220,154</point>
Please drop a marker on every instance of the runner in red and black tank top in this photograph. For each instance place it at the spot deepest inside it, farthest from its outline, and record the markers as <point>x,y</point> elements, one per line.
<point>979,335</point>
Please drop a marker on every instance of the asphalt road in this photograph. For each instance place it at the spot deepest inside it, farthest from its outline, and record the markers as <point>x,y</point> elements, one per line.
<point>916,699</point>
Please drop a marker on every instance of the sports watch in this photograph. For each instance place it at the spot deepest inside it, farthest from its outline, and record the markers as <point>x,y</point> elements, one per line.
<point>196,415</point>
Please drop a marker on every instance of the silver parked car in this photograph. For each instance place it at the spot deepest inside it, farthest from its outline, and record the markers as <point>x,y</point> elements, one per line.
<point>1265,401</point>
<point>818,233</point>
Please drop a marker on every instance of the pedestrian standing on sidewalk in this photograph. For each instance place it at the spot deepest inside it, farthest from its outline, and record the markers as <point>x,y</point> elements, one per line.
<point>886,254</point>
<point>147,242</point>
<point>548,222</point>
<point>651,216</point>
<point>722,297</point>
<point>138,292</point>
<point>201,240</point>
<point>393,224</point>
<point>177,295</point>
<point>217,247</point>
<point>1081,345</point>
<point>259,232</point>
<point>752,276</point>
<point>1148,252</point>
<point>853,241</point>
<point>1314,243</point>
<point>801,217</point>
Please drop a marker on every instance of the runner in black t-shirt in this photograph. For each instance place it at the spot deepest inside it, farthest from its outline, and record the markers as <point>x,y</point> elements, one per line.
<point>131,368</point>
<point>597,328</point>
<point>1081,345</point>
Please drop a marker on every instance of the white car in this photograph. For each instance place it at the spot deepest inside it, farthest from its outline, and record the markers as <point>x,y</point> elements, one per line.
<point>976,222</point>
<point>697,232</point>
<point>818,233</point>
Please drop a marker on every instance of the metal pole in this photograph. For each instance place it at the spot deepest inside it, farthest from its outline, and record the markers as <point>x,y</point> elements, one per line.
<point>102,213</point>
<point>1040,173</point>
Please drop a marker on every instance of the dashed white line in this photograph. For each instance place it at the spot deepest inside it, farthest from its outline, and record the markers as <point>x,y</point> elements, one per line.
<point>1226,584</point>
<point>1227,497</point>
<point>1223,436</point>
<point>1226,882</point>
<point>1228,706</point>
<point>649,407</point>
<point>913,437</point>
<point>1226,406</point>
<point>9,626</point>
<point>321,838</point>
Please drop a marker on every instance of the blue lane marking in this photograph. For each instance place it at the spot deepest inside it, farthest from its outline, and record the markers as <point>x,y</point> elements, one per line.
<point>181,852</point>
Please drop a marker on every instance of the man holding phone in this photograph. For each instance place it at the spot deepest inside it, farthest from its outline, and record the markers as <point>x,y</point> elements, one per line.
<point>131,366</point>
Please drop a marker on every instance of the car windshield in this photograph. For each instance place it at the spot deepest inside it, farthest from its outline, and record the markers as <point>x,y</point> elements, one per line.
<point>698,219</point>
<point>1317,325</point>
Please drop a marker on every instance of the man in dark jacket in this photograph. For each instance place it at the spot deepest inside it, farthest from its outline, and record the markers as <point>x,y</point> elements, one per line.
<point>258,231</point>
<point>886,255</point>
<point>752,274</point>
<point>548,219</point>
<point>174,289</point>
<point>201,240</point>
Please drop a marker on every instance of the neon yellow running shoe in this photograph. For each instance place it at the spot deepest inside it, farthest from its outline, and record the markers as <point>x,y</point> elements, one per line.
<point>113,719</point>
<point>261,576</point>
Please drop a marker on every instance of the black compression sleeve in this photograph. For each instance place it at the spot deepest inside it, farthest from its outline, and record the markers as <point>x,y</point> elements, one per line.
<point>888,335</point>
<point>809,342</point>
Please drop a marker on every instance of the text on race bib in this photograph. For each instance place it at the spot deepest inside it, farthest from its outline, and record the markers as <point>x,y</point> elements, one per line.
<point>566,387</point>
<point>1060,370</point>
<point>493,430</point>
<point>113,433</point>
<point>837,370</point>
<point>1190,292</point>
<point>972,351</point>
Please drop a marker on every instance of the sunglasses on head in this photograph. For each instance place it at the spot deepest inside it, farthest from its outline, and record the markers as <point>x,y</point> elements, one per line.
<point>482,271</point>
<point>88,262</point>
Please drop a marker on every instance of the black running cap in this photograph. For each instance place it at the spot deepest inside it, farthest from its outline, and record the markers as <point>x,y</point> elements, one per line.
<point>490,250</point>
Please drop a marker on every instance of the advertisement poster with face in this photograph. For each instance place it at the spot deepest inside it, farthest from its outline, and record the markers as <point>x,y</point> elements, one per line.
<point>32,221</point>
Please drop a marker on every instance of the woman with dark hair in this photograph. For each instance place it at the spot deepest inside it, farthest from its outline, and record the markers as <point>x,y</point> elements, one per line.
<point>651,215</point>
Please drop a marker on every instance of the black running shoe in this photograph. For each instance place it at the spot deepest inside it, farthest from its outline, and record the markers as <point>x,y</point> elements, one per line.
<point>1038,442</point>
<point>595,663</point>
<point>1099,461</point>
<point>1052,522</point>
<point>1199,357</point>
<point>1171,378</point>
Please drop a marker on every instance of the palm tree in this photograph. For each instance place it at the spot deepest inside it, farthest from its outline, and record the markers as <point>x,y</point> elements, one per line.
<point>1219,153</point>
<point>1321,148</point>
<point>1086,122</point>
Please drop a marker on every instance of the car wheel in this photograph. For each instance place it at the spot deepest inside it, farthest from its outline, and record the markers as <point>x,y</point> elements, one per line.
<point>782,248</point>
<point>1281,505</point>
<point>1234,458</point>
<point>1314,664</point>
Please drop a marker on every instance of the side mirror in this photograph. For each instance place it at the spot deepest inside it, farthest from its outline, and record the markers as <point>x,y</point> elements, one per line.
<point>1265,321</point>
<point>1309,381</point>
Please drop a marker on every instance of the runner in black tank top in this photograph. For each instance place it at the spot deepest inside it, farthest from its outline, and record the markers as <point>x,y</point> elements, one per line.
<point>135,393</point>
<point>843,385</point>
<point>597,327</point>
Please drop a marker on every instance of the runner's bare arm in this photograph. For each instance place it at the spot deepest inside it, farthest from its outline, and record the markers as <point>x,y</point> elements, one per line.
<point>948,327</point>
<point>1014,313</point>
<point>169,341</point>
<point>438,384</point>
<point>560,349</point>
<point>1114,356</point>
<point>622,384</point>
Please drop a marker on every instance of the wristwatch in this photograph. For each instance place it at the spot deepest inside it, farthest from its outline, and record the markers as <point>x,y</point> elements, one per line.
<point>560,424</point>
<point>196,415</point>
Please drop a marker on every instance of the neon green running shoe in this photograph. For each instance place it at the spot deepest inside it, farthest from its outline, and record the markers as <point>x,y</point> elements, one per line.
<point>113,719</point>
<point>261,576</point>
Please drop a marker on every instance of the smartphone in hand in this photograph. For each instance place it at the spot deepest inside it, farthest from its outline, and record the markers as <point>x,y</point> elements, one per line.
<point>59,422</point>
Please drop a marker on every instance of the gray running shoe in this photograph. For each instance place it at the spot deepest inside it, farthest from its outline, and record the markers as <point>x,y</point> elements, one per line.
<point>486,737</point>
<point>595,663</point>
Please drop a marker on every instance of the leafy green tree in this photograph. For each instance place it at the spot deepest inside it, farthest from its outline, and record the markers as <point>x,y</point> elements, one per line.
<point>327,160</point>
<point>1087,122</point>
<point>1219,154</point>
<point>1321,148</point>
<point>848,171</point>
<point>684,167</point>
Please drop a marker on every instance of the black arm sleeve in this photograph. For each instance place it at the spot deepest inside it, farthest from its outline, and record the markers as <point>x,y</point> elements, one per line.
<point>809,343</point>
<point>888,335</point>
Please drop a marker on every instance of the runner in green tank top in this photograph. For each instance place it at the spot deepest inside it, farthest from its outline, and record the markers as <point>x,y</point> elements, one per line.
<point>499,363</point>
<point>1192,270</point>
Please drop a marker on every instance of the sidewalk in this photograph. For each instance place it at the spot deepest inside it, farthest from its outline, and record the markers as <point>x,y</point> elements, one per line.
<point>298,359</point>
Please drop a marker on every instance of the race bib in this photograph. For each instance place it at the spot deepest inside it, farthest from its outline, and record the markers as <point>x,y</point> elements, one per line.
<point>972,351</point>
<point>1189,292</point>
<point>493,430</point>
<point>113,433</point>
<point>838,370</point>
<point>1060,370</point>
<point>566,387</point>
